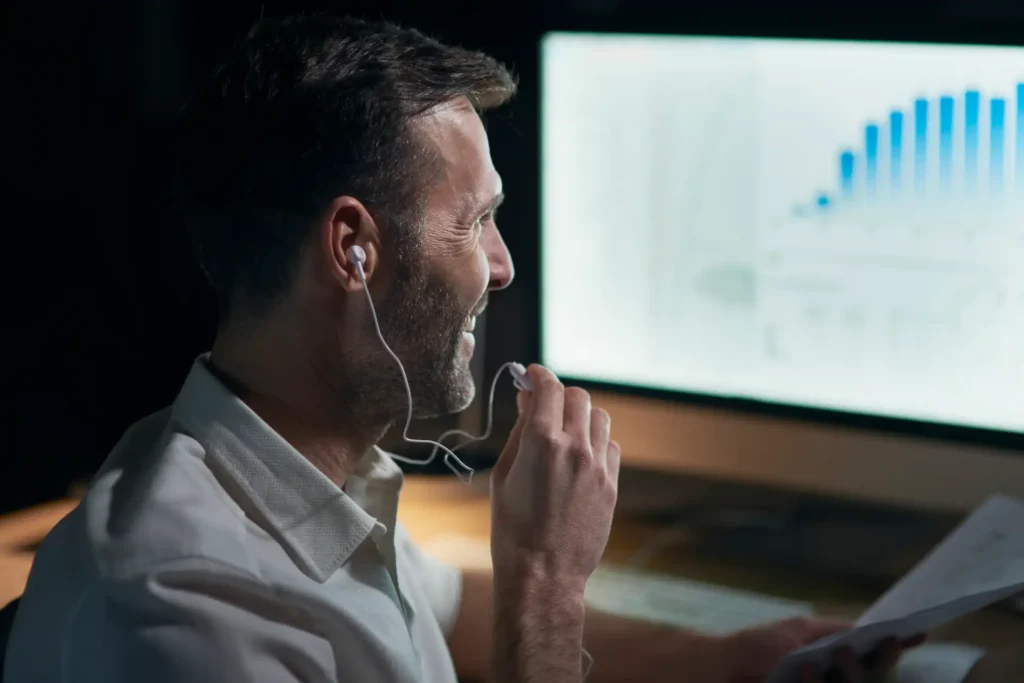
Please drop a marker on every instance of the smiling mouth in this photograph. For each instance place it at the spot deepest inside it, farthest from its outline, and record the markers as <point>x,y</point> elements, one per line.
<point>481,306</point>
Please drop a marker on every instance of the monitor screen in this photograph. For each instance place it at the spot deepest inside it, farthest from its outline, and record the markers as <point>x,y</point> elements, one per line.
<point>835,225</point>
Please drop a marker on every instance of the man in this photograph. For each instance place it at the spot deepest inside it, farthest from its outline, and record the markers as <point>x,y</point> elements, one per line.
<point>248,532</point>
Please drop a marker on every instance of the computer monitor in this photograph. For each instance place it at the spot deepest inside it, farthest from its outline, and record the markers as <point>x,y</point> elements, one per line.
<point>795,262</point>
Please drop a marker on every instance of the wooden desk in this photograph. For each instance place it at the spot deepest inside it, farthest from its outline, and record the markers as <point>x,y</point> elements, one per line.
<point>19,532</point>
<point>452,520</point>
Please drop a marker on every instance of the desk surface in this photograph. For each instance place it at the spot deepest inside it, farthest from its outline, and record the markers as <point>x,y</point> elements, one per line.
<point>452,521</point>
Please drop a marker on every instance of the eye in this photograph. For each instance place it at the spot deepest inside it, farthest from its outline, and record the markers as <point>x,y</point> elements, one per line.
<point>487,217</point>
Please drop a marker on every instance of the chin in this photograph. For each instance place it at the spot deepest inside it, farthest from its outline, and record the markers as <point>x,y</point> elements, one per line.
<point>460,400</point>
<point>452,394</point>
<point>461,388</point>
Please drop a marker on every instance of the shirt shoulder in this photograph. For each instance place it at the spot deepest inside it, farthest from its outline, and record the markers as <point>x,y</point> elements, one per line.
<point>154,501</point>
<point>194,619</point>
<point>161,570</point>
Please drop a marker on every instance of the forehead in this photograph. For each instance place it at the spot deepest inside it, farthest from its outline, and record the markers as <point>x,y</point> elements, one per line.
<point>455,133</point>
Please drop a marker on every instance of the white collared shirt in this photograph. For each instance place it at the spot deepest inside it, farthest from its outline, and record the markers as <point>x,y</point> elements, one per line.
<point>208,550</point>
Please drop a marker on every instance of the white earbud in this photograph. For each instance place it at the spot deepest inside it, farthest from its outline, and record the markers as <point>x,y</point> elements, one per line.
<point>519,378</point>
<point>358,257</point>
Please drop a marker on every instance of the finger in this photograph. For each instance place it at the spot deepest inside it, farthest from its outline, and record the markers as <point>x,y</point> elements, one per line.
<point>914,641</point>
<point>883,657</point>
<point>613,459</point>
<point>600,433</point>
<point>511,450</point>
<point>849,666</point>
<point>546,413</point>
<point>816,629</point>
<point>577,418</point>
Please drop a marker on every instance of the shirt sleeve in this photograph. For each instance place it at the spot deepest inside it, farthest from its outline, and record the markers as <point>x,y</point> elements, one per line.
<point>202,624</point>
<point>441,583</point>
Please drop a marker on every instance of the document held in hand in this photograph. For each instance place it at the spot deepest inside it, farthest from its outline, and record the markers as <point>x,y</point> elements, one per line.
<point>980,563</point>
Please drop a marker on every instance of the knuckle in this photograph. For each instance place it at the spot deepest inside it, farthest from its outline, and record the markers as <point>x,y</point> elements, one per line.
<point>550,439</point>
<point>576,395</point>
<point>540,421</point>
<point>607,490</point>
<point>551,383</point>
<point>581,451</point>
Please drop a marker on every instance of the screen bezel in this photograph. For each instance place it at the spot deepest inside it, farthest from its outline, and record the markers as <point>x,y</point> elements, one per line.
<point>924,429</point>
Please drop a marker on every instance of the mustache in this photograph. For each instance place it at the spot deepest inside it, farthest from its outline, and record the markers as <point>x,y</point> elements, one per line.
<point>481,306</point>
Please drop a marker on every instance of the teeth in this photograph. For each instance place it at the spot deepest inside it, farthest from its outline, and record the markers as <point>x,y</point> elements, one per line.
<point>471,325</point>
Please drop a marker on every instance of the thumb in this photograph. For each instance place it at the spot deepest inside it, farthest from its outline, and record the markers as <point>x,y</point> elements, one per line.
<point>511,450</point>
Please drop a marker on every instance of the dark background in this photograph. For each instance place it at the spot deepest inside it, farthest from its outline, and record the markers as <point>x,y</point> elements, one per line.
<point>106,309</point>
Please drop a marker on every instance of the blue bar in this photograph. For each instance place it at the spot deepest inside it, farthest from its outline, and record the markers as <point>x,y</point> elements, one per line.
<point>946,142</point>
<point>895,151</point>
<point>1020,138</point>
<point>871,156</point>
<point>972,108</point>
<point>823,201</point>
<point>846,173</point>
<point>997,146</point>
<point>921,144</point>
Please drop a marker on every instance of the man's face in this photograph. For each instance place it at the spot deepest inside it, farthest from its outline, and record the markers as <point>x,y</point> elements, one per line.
<point>429,313</point>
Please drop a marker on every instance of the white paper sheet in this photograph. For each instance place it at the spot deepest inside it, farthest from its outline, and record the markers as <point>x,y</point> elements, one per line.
<point>938,663</point>
<point>981,562</point>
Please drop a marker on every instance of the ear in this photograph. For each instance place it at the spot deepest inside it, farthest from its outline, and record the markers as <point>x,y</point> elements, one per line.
<point>344,224</point>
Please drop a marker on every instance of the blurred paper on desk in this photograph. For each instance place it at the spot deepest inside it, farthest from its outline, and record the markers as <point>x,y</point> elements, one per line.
<point>938,663</point>
<point>980,563</point>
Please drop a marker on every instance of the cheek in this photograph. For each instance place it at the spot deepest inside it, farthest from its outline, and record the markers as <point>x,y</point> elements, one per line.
<point>472,274</point>
<point>460,258</point>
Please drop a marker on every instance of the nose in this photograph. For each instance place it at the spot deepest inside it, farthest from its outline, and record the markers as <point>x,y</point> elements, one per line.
<point>499,260</point>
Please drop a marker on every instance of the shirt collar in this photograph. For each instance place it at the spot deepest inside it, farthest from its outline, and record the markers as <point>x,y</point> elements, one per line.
<point>319,523</point>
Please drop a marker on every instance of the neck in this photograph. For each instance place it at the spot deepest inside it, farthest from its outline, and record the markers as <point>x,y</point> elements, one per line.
<point>279,375</point>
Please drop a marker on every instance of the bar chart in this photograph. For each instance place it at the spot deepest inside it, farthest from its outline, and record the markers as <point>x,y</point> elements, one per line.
<point>890,221</point>
<point>816,222</point>
<point>966,148</point>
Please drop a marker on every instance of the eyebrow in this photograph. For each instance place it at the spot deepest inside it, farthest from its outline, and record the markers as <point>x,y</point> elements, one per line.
<point>488,207</point>
<point>496,201</point>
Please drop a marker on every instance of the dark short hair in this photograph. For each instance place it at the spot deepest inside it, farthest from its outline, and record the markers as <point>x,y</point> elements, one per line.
<point>304,110</point>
